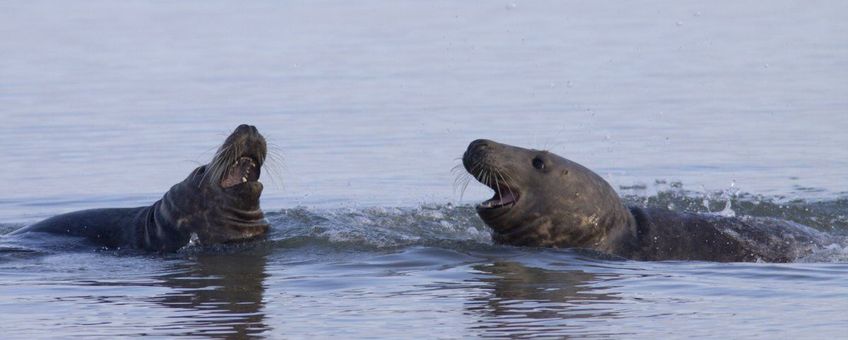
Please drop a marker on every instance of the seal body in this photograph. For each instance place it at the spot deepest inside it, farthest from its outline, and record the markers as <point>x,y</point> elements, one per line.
<point>115,228</point>
<point>667,235</point>
<point>544,200</point>
<point>218,202</point>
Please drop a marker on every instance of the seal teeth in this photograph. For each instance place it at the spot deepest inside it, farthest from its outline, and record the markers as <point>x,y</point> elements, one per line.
<point>244,179</point>
<point>506,199</point>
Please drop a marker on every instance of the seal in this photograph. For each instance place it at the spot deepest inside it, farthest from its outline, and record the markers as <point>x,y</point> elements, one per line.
<point>218,202</point>
<point>544,200</point>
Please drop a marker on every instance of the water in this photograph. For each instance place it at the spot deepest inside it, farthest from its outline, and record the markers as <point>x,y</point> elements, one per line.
<point>729,107</point>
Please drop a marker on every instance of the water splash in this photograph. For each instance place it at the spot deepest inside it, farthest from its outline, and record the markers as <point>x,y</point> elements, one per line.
<point>381,227</point>
<point>824,215</point>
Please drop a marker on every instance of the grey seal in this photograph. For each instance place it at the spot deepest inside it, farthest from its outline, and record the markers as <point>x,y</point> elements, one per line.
<point>544,200</point>
<point>218,202</point>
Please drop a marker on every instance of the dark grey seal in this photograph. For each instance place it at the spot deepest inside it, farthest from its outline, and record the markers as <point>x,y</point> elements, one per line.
<point>218,202</point>
<point>544,200</point>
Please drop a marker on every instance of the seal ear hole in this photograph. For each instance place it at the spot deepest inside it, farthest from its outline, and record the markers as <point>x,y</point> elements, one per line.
<point>538,163</point>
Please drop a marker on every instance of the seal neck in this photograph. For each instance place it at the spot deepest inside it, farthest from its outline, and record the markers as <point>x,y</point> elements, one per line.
<point>157,232</point>
<point>622,236</point>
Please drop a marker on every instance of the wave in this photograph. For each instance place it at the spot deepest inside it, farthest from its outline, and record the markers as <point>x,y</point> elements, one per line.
<point>381,227</point>
<point>825,215</point>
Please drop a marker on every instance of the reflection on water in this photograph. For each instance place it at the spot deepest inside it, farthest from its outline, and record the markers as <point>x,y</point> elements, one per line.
<point>311,290</point>
<point>221,295</point>
<point>526,301</point>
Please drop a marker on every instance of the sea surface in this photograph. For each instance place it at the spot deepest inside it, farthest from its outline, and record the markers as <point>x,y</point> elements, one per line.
<point>723,107</point>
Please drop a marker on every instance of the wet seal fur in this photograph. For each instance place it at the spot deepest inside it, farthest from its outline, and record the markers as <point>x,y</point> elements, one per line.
<point>544,200</point>
<point>218,202</point>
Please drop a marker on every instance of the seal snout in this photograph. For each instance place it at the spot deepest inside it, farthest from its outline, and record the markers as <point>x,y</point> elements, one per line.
<point>475,155</point>
<point>246,129</point>
<point>240,158</point>
<point>479,162</point>
<point>479,143</point>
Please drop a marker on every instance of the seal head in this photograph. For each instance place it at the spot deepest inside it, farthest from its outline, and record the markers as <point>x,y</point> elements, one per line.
<point>219,201</point>
<point>544,200</point>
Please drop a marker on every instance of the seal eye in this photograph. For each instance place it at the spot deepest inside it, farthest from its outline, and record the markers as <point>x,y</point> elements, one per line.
<point>538,163</point>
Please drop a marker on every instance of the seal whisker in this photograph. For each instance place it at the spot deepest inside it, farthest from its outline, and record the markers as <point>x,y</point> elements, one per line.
<point>499,179</point>
<point>511,184</point>
<point>218,164</point>
<point>510,181</point>
<point>274,162</point>
<point>460,178</point>
<point>455,171</point>
<point>497,184</point>
<point>481,170</point>
<point>489,177</point>
<point>504,182</point>
<point>493,179</point>
<point>458,169</point>
<point>462,184</point>
<point>463,178</point>
<point>464,187</point>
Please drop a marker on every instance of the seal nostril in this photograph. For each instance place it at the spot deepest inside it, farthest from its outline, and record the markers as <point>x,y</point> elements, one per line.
<point>478,144</point>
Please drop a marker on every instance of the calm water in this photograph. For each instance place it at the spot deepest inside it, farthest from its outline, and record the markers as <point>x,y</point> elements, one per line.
<point>724,107</point>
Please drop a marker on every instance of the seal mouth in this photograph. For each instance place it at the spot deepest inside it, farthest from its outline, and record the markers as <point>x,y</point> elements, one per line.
<point>243,170</point>
<point>477,162</point>
<point>505,197</point>
<point>239,160</point>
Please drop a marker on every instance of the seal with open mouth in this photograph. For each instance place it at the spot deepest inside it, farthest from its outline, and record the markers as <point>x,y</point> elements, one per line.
<point>544,200</point>
<point>218,202</point>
